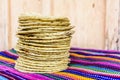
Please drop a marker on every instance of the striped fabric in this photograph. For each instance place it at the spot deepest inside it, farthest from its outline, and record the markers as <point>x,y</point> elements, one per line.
<point>86,64</point>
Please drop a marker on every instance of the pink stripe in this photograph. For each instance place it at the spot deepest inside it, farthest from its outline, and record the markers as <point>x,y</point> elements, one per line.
<point>28,76</point>
<point>102,64</point>
<point>10,53</point>
<point>39,76</point>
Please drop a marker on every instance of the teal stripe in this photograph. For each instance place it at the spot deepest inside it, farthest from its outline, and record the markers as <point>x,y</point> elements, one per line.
<point>98,69</point>
<point>52,76</point>
<point>3,78</point>
<point>13,51</point>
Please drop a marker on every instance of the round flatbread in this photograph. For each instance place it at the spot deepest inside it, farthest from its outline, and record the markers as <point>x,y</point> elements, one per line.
<point>47,41</point>
<point>35,16</point>
<point>41,69</point>
<point>43,44</point>
<point>46,27</point>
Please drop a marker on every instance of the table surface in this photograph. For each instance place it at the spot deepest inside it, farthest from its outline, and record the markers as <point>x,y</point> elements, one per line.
<point>85,64</point>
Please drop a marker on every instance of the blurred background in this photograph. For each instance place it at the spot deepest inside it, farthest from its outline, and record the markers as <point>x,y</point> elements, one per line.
<point>96,21</point>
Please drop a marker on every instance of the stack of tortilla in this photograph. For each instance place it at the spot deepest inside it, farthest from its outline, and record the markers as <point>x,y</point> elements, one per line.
<point>43,44</point>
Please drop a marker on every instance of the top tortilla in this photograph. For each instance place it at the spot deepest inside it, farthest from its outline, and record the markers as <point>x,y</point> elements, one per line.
<point>35,16</point>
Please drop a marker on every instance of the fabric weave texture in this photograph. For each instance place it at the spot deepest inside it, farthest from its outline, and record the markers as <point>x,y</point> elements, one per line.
<point>85,64</point>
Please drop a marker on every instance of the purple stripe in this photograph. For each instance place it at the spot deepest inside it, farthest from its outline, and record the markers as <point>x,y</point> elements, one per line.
<point>7,55</point>
<point>95,50</point>
<point>25,75</point>
<point>95,60</point>
<point>12,75</point>
<point>7,76</point>
<point>101,64</point>
<point>10,53</point>
<point>5,62</point>
<point>90,54</point>
<point>39,76</point>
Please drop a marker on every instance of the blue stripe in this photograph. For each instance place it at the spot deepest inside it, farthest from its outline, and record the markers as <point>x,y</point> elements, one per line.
<point>6,64</point>
<point>7,55</point>
<point>95,67</point>
<point>3,78</point>
<point>94,76</point>
<point>18,77</point>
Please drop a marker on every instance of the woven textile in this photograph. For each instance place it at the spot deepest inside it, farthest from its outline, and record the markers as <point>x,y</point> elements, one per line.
<point>86,64</point>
